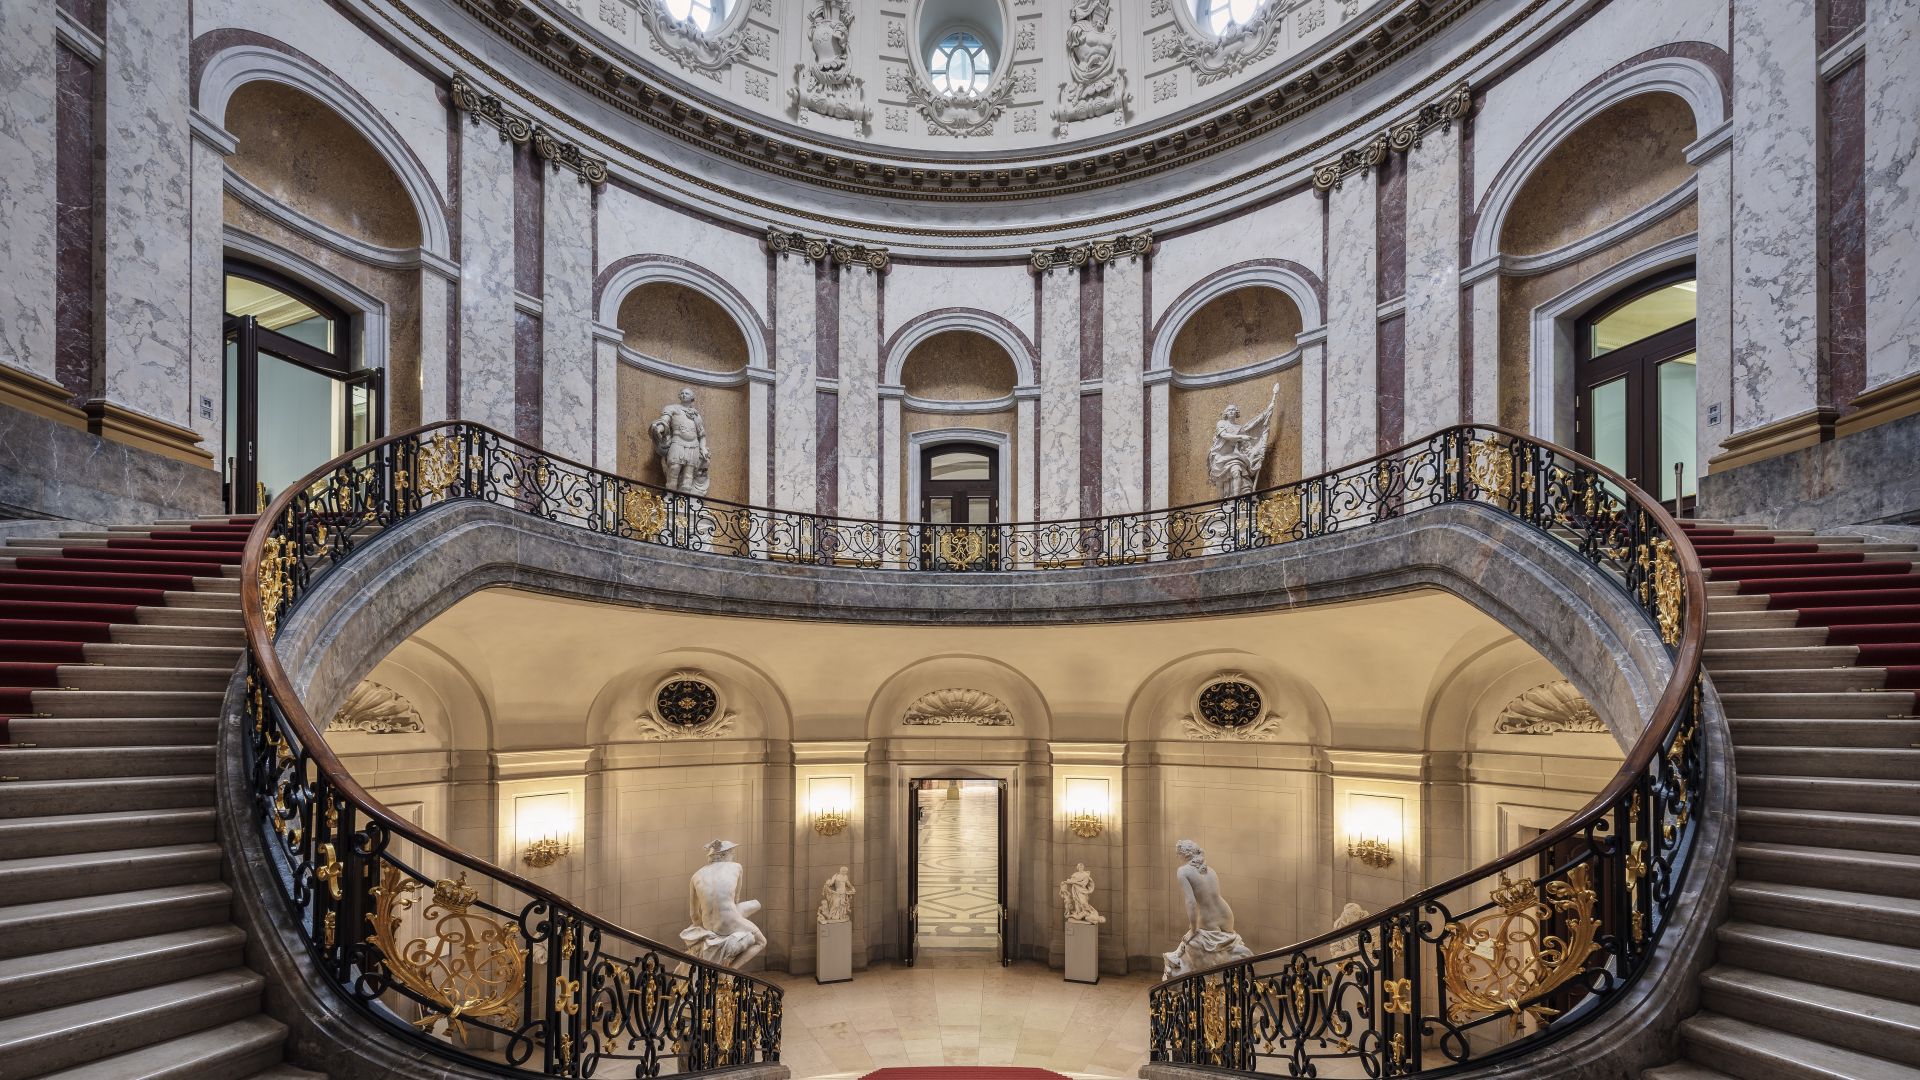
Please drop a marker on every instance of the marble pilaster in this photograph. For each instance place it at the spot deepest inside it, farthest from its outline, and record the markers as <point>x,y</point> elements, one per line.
<point>796,340</point>
<point>1776,219</point>
<point>606,400</point>
<point>486,276</point>
<point>892,458</point>
<point>1122,395</point>
<point>1432,396</point>
<point>1483,397</point>
<point>759,448</point>
<point>1059,464</point>
<point>209,152</point>
<point>1026,442</point>
<point>1893,176</point>
<point>859,397</point>
<point>1713,315</point>
<point>147,249</point>
<point>27,172</point>
<point>438,294</point>
<point>566,341</point>
<point>1352,321</point>
<point>1313,396</point>
<point>1159,424</point>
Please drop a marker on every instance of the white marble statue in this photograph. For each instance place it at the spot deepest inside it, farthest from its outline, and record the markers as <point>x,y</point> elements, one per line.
<point>1210,939</point>
<point>1238,450</point>
<point>680,438</point>
<point>836,899</point>
<point>1077,891</point>
<point>1349,915</point>
<point>723,931</point>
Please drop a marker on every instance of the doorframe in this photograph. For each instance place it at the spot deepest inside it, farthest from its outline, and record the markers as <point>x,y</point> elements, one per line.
<point>367,314</point>
<point>1014,837</point>
<point>919,443</point>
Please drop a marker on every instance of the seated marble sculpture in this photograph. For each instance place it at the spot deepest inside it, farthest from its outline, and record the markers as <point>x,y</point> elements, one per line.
<point>723,931</point>
<point>1077,891</point>
<point>1210,940</point>
<point>836,899</point>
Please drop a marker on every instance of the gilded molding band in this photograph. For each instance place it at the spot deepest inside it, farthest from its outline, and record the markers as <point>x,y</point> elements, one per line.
<point>1125,246</point>
<point>1400,137</point>
<point>521,130</point>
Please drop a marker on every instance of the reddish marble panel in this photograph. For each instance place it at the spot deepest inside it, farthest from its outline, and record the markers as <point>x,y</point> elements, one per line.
<point>826,320</point>
<point>1846,237</point>
<point>1390,381</point>
<point>529,221</point>
<point>527,390</point>
<point>76,227</point>
<point>1093,306</point>
<point>826,452</point>
<point>1390,229</point>
<point>1090,455</point>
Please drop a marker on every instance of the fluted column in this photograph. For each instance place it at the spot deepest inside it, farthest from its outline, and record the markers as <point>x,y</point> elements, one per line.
<point>859,399</point>
<point>1123,461</point>
<point>1352,318</point>
<point>1058,488</point>
<point>568,363</point>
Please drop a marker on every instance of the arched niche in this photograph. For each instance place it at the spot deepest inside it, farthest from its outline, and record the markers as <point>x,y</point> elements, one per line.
<point>959,381</point>
<point>300,152</point>
<point>1026,710</point>
<point>674,336</point>
<point>1224,354</point>
<point>1614,165</point>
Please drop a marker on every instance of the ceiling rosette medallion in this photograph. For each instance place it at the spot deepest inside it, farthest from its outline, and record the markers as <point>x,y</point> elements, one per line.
<point>1549,709</point>
<point>377,710</point>
<point>685,44</point>
<point>958,706</point>
<point>686,705</point>
<point>1229,706</point>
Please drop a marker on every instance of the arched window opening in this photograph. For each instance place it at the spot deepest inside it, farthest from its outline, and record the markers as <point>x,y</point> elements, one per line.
<point>960,63</point>
<point>702,15</point>
<point>1638,398</point>
<point>1220,16</point>
<point>294,400</point>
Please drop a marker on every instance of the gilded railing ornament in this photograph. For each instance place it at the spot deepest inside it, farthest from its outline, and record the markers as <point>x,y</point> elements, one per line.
<point>471,966</point>
<point>276,588</point>
<point>1505,958</point>
<point>1490,467</point>
<point>1277,515</point>
<point>644,512</point>
<point>961,546</point>
<point>1213,1016</point>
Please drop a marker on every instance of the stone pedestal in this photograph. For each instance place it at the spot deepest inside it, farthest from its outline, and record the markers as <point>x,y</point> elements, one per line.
<point>1083,952</point>
<point>834,944</point>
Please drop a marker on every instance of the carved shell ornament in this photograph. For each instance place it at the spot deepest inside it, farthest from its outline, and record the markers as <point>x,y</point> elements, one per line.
<point>378,710</point>
<point>958,706</point>
<point>1548,709</point>
<point>686,705</point>
<point>1230,706</point>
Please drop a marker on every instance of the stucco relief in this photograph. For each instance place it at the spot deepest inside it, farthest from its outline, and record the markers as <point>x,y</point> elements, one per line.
<point>377,710</point>
<point>1096,85</point>
<point>958,706</point>
<point>685,44</point>
<point>1240,47</point>
<point>826,84</point>
<point>959,112</point>
<point>1548,709</point>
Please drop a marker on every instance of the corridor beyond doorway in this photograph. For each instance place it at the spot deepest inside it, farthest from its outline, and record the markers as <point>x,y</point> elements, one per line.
<point>959,852</point>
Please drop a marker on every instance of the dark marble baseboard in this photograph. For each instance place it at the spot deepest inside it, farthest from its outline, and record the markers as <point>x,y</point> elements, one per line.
<point>51,470</point>
<point>1865,478</point>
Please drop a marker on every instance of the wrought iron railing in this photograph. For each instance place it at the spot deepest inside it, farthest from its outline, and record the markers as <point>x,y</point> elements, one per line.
<point>501,970</point>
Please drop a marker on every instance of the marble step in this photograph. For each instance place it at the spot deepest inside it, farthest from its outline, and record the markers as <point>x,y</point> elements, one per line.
<point>31,798</point>
<point>61,1038</point>
<point>68,834</point>
<point>1869,705</point>
<point>42,732</point>
<point>1887,873</point>
<point>1868,967</point>
<point>1830,793</point>
<point>1892,919</point>
<point>125,677</point>
<point>49,979</point>
<point>1861,1023</point>
<point>1765,659</point>
<point>1792,680</point>
<point>1753,1052</point>
<point>127,702</point>
<point>197,656</point>
<point>1749,620</point>
<point>46,925</point>
<point>1795,637</point>
<point>1897,834</point>
<point>235,1051</point>
<point>287,1072</point>
<point>1683,1070</point>
<point>225,637</point>
<point>188,616</point>
<point>1754,731</point>
<point>1719,604</point>
<point>206,600</point>
<point>54,877</point>
<point>230,571</point>
<point>81,762</point>
<point>1865,763</point>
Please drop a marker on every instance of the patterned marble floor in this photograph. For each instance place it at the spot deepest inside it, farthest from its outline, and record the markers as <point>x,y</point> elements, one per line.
<point>955,1009</point>
<point>959,867</point>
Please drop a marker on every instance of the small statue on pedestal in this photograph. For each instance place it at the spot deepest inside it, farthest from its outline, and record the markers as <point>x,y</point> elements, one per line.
<point>836,899</point>
<point>1077,891</point>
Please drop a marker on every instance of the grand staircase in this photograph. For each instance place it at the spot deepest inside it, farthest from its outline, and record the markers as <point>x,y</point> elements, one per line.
<point>1814,645</point>
<point>118,954</point>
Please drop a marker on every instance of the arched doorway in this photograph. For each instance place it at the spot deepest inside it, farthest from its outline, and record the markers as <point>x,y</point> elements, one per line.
<point>294,398</point>
<point>1634,368</point>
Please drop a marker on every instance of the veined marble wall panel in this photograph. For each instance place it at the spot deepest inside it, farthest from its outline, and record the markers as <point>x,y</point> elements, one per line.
<point>407,99</point>
<point>27,168</point>
<point>1313,408</point>
<point>1432,395</point>
<point>486,277</point>
<point>1005,290</point>
<point>209,291</point>
<point>1352,339</point>
<point>1122,400</point>
<point>1483,397</point>
<point>1518,103</point>
<point>1713,303</point>
<point>148,248</point>
<point>1058,489</point>
<point>606,404</point>
<point>1776,223</point>
<point>632,225</point>
<point>567,375</point>
<point>794,405</point>
<point>1893,175</point>
<point>859,401</point>
<point>1288,229</point>
<point>438,296</point>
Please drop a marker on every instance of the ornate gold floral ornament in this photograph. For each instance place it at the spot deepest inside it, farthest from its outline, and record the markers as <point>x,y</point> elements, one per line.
<point>960,547</point>
<point>521,130</point>
<point>278,556</point>
<point>1213,1016</point>
<point>471,965</point>
<point>1399,137</point>
<point>1506,957</point>
<point>1277,516</point>
<point>644,512</point>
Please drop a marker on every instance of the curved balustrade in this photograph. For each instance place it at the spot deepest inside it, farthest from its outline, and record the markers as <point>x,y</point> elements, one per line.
<point>483,964</point>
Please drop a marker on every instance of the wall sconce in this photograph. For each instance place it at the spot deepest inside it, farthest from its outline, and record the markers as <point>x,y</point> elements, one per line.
<point>1086,808</point>
<point>1373,829</point>
<point>545,827</point>
<point>828,800</point>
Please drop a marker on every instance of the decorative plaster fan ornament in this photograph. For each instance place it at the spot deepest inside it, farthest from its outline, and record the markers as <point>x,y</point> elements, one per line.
<point>1547,709</point>
<point>378,710</point>
<point>958,706</point>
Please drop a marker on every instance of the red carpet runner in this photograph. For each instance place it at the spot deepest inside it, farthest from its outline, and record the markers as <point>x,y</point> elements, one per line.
<point>1870,604</point>
<point>54,602</point>
<point>963,1072</point>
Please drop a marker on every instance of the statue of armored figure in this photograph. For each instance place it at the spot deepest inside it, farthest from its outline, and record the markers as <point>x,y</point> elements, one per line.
<point>723,932</point>
<point>680,439</point>
<point>836,899</point>
<point>1239,450</point>
<point>1077,892</point>
<point>1210,940</point>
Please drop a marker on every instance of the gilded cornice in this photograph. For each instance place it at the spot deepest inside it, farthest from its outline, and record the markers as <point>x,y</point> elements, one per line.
<point>1287,94</point>
<point>522,131</point>
<point>1399,137</point>
<point>1072,256</point>
<point>817,249</point>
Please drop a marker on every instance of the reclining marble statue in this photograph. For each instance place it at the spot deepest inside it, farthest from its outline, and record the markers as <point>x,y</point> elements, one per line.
<point>1210,940</point>
<point>1239,450</point>
<point>1077,892</point>
<point>723,932</point>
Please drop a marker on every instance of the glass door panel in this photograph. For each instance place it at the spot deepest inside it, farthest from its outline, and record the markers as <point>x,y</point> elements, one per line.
<point>979,510</point>
<point>301,416</point>
<point>1608,419</point>
<point>1676,386</point>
